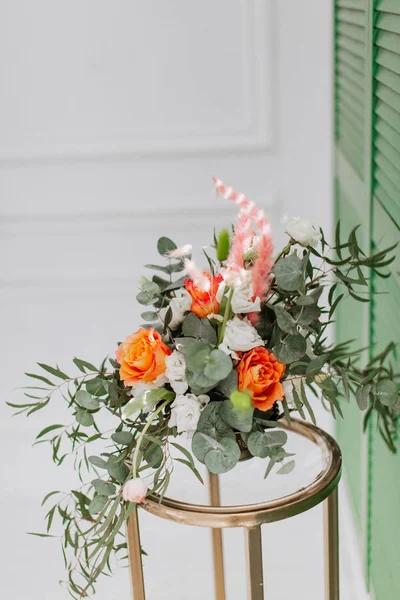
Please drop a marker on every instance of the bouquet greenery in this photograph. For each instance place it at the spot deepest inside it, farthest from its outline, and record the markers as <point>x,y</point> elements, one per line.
<point>224,355</point>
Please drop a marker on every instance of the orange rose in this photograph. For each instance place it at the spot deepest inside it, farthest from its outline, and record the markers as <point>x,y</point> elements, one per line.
<point>204,302</point>
<point>142,357</point>
<point>259,374</point>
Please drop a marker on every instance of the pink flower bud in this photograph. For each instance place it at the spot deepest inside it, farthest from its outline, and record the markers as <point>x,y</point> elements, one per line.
<point>135,490</point>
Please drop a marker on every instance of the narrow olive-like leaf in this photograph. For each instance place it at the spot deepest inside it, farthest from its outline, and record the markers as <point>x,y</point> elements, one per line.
<point>307,403</point>
<point>40,378</point>
<point>54,371</point>
<point>47,430</point>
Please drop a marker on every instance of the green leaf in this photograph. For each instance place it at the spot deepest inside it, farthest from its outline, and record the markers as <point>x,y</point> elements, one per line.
<point>153,456</point>
<point>40,378</point>
<point>97,504</point>
<point>260,443</point>
<point>47,430</point>
<point>285,320</point>
<point>202,444</point>
<point>212,424</point>
<point>306,403</point>
<point>145,299</point>
<point>362,395</point>
<point>118,471</point>
<point>49,496</point>
<point>304,315</point>
<point>95,387</point>
<point>290,348</point>
<point>86,400</point>
<point>84,418</point>
<point>289,273</point>
<point>103,487</point>
<point>316,364</point>
<point>84,366</point>
<point>222,460</point>
<point>287,468</point>
<point>149,316</point>
<point>229,384</point>
<point>98,462</point>
<point>165,246</point>
<point>201,329</point>
<point>53,371</point>
<point>122,437</point>
<point>42,535</point>
<point>242,420</point>
<point>218,365</point>
<point>386,391</point>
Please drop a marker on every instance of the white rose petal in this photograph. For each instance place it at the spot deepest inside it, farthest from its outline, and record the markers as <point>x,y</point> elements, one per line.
<point>179,306</point>
<point>185,412</point>
<point>240,336</point>
<point>176,372</point>
<point>242,298</point>
<point>302,231</point>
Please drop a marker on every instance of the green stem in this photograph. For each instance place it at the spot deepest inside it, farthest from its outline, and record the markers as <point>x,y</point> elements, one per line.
<point>226,315</point>
<point>143,433</point>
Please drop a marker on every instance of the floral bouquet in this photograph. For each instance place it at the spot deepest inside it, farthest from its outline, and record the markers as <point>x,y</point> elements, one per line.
<point>224,355</point>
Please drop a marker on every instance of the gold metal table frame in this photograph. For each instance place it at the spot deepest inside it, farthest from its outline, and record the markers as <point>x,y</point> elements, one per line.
<point>251,517</point>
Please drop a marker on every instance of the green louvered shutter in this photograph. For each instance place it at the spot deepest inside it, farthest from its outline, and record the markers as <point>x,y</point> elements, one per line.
<point>367,184</point>
<point>352,186</point>
<point>384,501</point>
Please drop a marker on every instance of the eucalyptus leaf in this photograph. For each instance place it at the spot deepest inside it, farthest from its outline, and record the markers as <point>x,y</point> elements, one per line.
<point>201,329</point>
<point>290,348</point>
<point>212,424</point>
<point>97,504</point>
<point>97,462</point>
<point>362,395</point>
<point>95,387</point>
<point>84,417</point>
<point>103,487</point>
<point>222,460</point>
<point>242,420</point>
<point>86,400</point>
<point>387,392</point>
<point>165,246</point>
<point>229,384</point>
<point>285,320</point>
<point>118,471</point>
<point>287,468</point>
<point>289,273</point>
<point>122,437</point>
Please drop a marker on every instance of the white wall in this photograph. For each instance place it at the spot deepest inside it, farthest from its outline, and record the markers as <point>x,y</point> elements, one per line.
<point>113,118</point>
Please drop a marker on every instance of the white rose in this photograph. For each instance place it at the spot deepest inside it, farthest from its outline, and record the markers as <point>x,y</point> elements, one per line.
<point>242,298</point>
<point>288,387</point>
<point>185,412</point>
<point>302,231</point>
<point>240,336</point>
<point>176,372</point>
<point>179,306</point>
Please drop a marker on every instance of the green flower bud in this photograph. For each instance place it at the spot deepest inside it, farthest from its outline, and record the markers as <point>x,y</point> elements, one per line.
<point>240,400</point>
<point>223,245</point>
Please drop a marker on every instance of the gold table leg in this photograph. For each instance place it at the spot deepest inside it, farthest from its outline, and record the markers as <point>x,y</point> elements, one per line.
<point>254,563</point>
<point>218,556</point>
<point>332,546</point>
<point>135,556</point>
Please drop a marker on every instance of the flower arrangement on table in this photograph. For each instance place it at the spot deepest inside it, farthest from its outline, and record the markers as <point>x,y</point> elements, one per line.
<point>225,354</point>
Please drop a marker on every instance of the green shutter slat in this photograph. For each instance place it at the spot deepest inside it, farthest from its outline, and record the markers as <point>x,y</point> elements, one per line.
<point>356,94</point>
<point>390,116</point>
<point>388,22</point>
<point>390,6</point>
<point>354,17</point>
<point>345,126</point>
<point>351,31</point>
<point>352,61</point>
<point>352,152</point>
<point>388,41</point>
<point>388,133</point>
<point>353,109</point>
<point>387,185</point>
<point>389,97</point>
<point>353,4</point>
<point>388,59</point>
<point>352,76</point>
<point>356,48</point>
<point>385,163</point>
<point>390,205</point>
<point>388,78</point>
